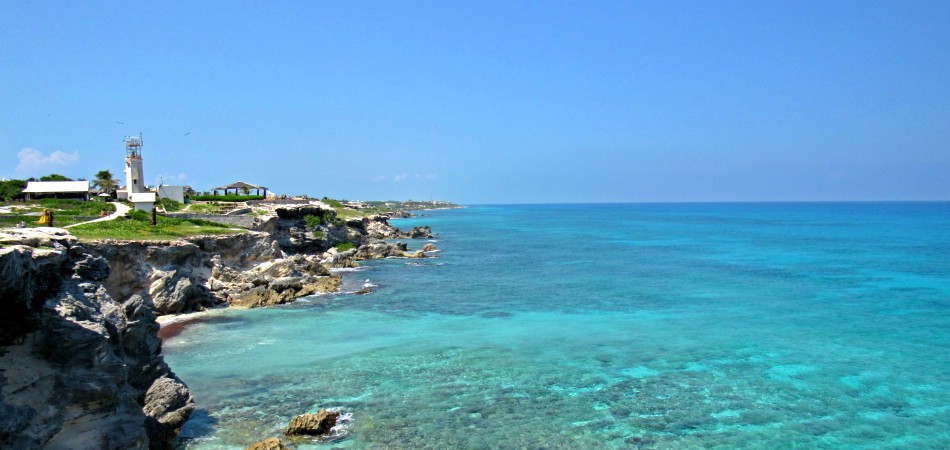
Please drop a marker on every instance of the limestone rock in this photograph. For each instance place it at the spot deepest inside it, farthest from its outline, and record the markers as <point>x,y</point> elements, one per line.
<point>339,260</point>
<point>318,424</point>
<point>40,237</point>
<point>430,247</point>
<point>267,444</point>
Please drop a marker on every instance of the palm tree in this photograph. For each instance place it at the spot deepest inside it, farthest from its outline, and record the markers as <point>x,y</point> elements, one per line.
<point>104,181</point>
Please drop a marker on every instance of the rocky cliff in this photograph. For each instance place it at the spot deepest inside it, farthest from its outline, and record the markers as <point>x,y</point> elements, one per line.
<point>78,368</point>
<point>198,273</point>
<point>80,358</point>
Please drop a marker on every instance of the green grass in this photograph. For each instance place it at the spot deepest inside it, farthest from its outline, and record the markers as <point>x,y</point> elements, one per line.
<point>207,208</point>
<point>346,214</point>
<point>65,212</point>
<point>138,228</point>
<point>76,207</point>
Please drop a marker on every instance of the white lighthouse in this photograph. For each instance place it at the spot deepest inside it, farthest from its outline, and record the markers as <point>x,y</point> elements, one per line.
<point>142,198</point>
<point>134,177</point>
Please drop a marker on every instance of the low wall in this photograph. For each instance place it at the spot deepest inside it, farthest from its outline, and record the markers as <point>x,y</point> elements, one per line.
<point>242,221</point>
<point>279,201</point>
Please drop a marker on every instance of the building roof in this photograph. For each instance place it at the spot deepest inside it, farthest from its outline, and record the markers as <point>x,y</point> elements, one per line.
<point>53,187</point>
<point>142,197</point>
<point>239,185</point>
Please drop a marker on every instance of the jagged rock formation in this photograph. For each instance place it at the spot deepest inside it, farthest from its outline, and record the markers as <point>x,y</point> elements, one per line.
<point>377,248</point>
<point>280,281</point>
<point>378,227</point>
<point>257,268</point>
<point>78,369</point>
<point>248,269</point>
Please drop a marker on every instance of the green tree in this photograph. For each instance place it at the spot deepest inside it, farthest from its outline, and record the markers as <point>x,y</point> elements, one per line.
<point>104,181</point>
<point>55,177</point>
<point>11,189</point>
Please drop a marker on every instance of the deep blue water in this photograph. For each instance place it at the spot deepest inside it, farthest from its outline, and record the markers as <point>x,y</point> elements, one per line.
<point>608,326</point>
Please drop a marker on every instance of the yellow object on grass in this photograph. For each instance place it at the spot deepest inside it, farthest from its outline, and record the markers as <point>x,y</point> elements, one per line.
<point>45,218</point>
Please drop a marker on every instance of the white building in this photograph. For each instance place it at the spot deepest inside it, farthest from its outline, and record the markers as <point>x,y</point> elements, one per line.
<point>57,189</point>
<point>143,201</point>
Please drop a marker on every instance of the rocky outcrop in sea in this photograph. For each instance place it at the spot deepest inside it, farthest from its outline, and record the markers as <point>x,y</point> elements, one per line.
<point>79,369</point>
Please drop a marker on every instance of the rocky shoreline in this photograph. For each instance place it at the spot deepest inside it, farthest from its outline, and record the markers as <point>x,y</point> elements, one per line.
<point>80,354</point>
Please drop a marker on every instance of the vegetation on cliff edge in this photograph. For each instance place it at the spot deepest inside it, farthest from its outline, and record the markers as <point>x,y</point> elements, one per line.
<point>138,227</point>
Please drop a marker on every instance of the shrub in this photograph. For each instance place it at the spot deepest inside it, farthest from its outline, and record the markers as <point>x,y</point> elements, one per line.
<point>313,221</point>
<point>344,246</point>
<point>140,215</point>
<point>170,205</point>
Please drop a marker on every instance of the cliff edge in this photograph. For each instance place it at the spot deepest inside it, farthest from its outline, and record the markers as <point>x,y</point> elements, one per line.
<point>78,369</point>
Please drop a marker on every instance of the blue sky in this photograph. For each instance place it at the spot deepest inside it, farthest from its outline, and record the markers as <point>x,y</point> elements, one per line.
<point>488,102</point>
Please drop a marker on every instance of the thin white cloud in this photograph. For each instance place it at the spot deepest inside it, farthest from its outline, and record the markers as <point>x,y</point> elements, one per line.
<point>34,163</point>
<point>401,177</point>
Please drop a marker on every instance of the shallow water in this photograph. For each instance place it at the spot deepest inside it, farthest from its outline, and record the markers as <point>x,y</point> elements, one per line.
<point>608,326</point>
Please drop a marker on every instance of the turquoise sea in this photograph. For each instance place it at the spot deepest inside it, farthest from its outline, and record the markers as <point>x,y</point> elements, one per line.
<point>669,326</point>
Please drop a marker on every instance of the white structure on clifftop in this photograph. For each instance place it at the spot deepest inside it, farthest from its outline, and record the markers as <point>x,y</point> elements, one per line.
<point>134,176</point>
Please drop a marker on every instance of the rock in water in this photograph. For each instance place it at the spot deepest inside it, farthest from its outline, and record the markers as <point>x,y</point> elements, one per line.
<point>267,444</point>
<point>318,424</point>
<point>168,404</point>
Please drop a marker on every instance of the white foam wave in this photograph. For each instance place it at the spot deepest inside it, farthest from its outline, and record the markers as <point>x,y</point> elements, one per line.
<point>347,269</point>
<point>342,428</point>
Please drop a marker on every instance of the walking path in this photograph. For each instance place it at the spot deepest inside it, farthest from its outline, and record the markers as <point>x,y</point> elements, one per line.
<point>120,210</point>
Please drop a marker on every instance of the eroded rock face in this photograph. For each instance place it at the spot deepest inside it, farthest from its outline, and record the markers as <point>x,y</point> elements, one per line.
<point>78,374</point>
<point>250,269</point>
<point>377,249</point>
<point>318,424</point>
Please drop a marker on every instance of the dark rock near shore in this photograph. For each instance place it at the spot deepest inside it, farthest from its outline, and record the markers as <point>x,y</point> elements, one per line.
<point>318,424</point>
<point>168,404</point>
<point>377,249</point>
<point>87,373</point>
<point>418,233</point>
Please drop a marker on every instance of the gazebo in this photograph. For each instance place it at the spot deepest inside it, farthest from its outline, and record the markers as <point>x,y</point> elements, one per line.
<point>241,187</point>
